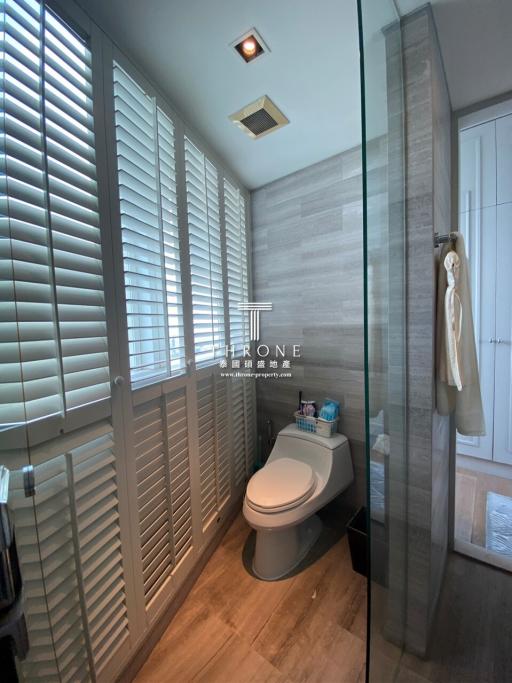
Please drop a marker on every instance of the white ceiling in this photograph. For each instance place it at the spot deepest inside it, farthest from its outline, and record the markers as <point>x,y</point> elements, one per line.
<point>312,72</point>
<point>476,44</point>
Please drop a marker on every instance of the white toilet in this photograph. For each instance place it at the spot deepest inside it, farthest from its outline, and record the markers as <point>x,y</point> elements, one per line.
<point>303,473</point>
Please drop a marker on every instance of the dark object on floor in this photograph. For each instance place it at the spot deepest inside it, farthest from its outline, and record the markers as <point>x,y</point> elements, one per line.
<point>13,630</point>
<point>357,533</point>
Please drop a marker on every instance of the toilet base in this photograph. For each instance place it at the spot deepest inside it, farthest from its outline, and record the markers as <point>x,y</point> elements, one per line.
<point>278,551</point>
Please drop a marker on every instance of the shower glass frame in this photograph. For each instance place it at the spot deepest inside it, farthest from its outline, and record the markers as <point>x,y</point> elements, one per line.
<point>385,316</point>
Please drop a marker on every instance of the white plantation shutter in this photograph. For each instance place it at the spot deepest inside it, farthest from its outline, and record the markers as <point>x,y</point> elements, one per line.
<point>250,424</point>
<point>205,255</point>
<point>68,539</point>
<point>214,447</point>
<point>42,662</point>
<point>243,411</point>
<point>92,466</point>
<point>236,249</point>
<point>207,450</point>
<point>153,496</point>
<point>223,441</point>
<point>238,421</point>
<point>163,488</point>
<point>53,345</point>
<point>85,613</point>
<point>149,225</point>
<point>177,436</point>
<point>74,218</point>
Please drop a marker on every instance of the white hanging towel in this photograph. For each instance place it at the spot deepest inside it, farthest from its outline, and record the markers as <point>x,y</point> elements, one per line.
<point>453,320</point>
<point>458,381</point>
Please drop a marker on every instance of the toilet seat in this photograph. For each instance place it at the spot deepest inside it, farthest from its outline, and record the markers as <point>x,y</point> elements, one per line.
<point>281,485</point>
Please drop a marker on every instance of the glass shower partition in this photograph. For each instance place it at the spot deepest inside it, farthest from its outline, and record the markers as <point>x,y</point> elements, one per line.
<point>385,332</point>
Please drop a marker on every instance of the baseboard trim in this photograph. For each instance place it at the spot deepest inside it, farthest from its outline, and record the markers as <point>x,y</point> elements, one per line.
<point>158,629</point>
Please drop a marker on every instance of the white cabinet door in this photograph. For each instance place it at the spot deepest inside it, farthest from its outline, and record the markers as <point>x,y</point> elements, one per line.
<point>503,375</point>
<point>479,230</point>
<point>504,158</point>
<point>477,167</point>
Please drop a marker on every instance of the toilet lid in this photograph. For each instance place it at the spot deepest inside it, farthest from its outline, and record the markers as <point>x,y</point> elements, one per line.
<point>282,484</point>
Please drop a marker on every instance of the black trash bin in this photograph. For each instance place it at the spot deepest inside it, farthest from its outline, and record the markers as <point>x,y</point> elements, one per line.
<point>357,533</point>
<point>13,630</point>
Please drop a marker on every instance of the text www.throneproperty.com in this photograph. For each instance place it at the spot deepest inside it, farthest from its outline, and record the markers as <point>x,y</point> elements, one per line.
<point>258,375</point>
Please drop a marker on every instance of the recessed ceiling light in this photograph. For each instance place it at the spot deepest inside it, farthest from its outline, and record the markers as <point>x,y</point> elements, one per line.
<point>250,46</point>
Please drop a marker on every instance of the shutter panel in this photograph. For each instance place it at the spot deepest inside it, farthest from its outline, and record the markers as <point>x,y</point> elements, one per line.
<point>43,663</point>
<point>52,336</point>
<point>73,205</point>
<point>153,497</point>
<point>236,249</point>
<point>214,447</point>
<point>31,383</point>
<point>70,550</point>
<point>169,214</point>
<point>149,228</point>
<point>238,421</point>
<point>223,441</point>
<point>205,255</point>
<point>177,434</point>
<point>243,411</point>
<point>250,424</point>
<point>163,488</point>
<point>207,449</point>
<point>101,555</point>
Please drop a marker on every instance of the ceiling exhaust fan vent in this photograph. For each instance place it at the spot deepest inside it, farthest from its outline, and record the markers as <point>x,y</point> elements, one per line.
<point>259,122</point>
<point>259,118</point>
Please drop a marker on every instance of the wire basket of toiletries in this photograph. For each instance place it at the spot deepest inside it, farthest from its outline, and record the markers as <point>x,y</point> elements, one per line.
<point>316,425</point>
<point>323,422</point>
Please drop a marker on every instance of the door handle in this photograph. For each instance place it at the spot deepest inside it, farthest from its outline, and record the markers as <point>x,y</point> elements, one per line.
<point>492,340</point>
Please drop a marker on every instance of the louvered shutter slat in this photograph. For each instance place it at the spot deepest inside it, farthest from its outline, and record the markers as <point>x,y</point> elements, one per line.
<point>205,255</point>
<point>239,450</point>
<point>151,258</point>
<point>51,208</point>
<point>214,447</point>
<point>76,490</point>
<point>163,488</point>
<point>238,288</point>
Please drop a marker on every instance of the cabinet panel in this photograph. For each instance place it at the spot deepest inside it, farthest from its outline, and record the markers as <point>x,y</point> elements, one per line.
<point>504,158</point>
<point>477,167</point>
<point>479,230</point>
<point>503,375</point>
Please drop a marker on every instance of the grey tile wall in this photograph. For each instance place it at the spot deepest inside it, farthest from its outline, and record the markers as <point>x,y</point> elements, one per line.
<point>427,118</point>
<point>308,261</point>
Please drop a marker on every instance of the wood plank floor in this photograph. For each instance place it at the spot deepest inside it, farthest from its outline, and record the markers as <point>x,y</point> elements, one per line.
<point>472,634</point>
<point>234,628</point>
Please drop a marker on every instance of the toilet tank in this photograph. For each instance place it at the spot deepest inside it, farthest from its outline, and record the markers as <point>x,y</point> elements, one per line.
<point>322,453</point>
